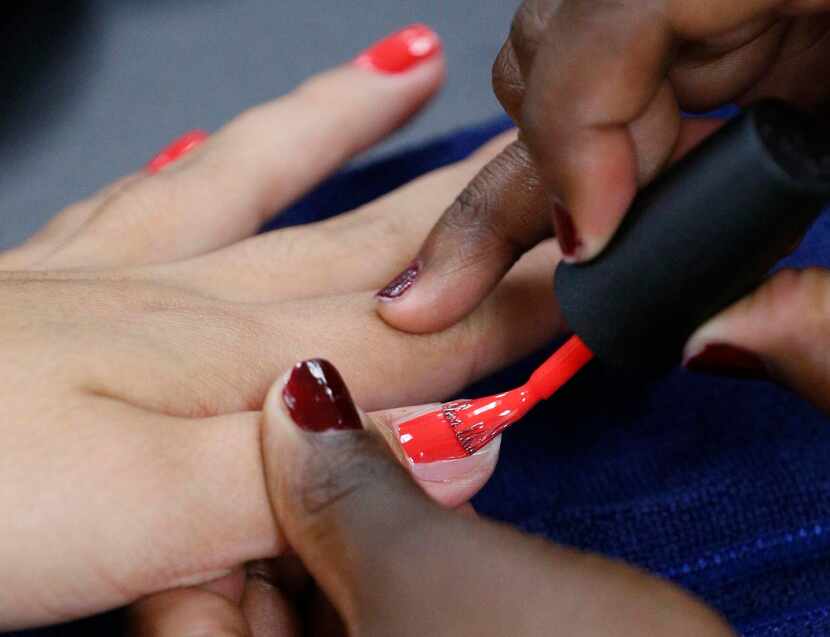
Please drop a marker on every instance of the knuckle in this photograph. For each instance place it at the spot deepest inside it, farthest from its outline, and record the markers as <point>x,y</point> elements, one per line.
<point>507,81</point>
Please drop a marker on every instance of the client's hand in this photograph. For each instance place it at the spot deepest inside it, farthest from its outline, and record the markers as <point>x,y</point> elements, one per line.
<point>141,329</point>
<point>385,560</point>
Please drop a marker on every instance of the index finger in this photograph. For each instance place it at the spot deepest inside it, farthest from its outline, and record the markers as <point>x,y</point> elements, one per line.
<point>600,74</point>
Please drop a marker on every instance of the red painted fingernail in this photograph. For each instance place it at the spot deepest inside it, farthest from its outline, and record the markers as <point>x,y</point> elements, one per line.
<point>401,51</point>
<point>176,149</point>
<point>317,398</point>
<point>398,286</point>
<point>726,360</point>
<point>563,224</point>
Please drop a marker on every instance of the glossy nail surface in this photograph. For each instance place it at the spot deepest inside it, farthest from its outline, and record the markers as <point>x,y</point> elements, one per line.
<point>398,286</point>
<point>563,224</point>
<point>176,149</point>
<point>317,399</point>
<point>726,360</point>
<point>401,51</point>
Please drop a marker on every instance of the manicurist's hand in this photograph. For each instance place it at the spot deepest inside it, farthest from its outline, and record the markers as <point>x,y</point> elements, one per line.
<point>596,89</point>
<point>373,556</point>
<point>141,330</point>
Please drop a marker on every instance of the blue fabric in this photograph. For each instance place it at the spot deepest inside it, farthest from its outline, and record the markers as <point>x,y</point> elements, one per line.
<point>720,485</point>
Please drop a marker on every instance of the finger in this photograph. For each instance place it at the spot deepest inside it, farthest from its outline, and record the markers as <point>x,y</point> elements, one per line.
<point>268,610</point>
<point>241,347</point>
<point>70,221</point>
<point>360,526</point>
<point>322,506</point>
<point>508,84</point>
<point>776,332</point>
<point>577,120</point>
<point>515,60</point>
<point>195,523</point>
<point>190,611</point>
<point>598,113</point>
<point>59,229</point>
<point>260,162</point>
<point>499,216</point>
<point>353,252</point>
<point>450,483</point>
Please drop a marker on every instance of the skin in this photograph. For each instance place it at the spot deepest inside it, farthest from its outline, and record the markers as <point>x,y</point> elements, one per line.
<point>596,89</point>
<point>375,556</point>
<point>143,327</point>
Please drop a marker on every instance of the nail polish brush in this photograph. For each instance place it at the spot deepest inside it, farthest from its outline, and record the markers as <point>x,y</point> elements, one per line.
<point>698,238</point>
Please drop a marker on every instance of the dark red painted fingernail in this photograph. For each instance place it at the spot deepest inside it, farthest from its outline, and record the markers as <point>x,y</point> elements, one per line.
<point>401,51</point>
<point>398,286</point>
<point>563,224</point>
<point>177,149</point>
<point>726,360</point>
<point>317,398</point>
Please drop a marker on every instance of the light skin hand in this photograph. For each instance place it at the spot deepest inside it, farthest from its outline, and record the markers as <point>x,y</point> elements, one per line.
<point>142,328</point>
<point>374,556</point>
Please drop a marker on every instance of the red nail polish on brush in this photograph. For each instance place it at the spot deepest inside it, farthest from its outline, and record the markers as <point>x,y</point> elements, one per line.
<point>462,427</point>
<point>176,149</point>
<point>317,399</point>
<point>401,51</point>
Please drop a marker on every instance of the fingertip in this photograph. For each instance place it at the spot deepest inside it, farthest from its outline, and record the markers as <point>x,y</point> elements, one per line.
<point>402,51</point>
<point>592,177</point>
<point>413,311</point>
<point>450,482</point>
<point>428,297</point>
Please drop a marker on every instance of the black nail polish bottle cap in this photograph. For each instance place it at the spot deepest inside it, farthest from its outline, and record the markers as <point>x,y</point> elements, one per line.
<point>699,237</point>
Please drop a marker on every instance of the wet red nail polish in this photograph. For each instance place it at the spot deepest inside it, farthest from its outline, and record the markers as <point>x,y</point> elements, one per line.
<point>317,398</point>
<point>176,149</point>
<point>565,231</point>
<point>398,286</point>
<point>725,360</point>
<point>401,51</point>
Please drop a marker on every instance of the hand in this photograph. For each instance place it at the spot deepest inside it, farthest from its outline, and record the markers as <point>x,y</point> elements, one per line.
<point>596,89</point>
<point>382,559</point>
<point>141,330</point>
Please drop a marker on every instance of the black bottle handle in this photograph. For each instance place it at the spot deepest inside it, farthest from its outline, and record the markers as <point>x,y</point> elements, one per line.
<point>701,236</point>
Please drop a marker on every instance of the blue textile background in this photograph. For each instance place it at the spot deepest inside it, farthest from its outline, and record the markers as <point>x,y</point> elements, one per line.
<point>720,485</point>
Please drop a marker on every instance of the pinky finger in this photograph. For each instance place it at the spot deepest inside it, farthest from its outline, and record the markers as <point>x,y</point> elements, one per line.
<point>61,227</point>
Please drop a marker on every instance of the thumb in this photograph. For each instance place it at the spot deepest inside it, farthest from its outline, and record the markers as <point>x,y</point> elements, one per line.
<point>345,504</point>
<point>391,561</point>
<point>780,331</point>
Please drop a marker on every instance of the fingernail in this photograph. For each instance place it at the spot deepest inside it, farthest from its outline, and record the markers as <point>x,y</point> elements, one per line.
<point>401,51</point>
<point>463,468</point>
<point>398,286</point>
<point>720,359</point>
<point>563,224</point>
<point>177,149</point>
<point>318,400</point>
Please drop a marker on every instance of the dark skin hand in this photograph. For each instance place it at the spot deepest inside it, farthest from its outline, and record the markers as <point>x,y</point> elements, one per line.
<point>596,88</point>
<point>373,556</point>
